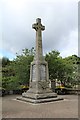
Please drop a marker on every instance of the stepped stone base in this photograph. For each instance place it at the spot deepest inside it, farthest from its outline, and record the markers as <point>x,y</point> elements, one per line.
<point>39,98</point>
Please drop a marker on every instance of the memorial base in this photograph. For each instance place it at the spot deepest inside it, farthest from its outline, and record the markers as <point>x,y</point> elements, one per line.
<point>39,98</point>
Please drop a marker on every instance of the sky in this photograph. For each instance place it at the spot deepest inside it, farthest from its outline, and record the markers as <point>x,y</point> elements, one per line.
<point>60,18</point>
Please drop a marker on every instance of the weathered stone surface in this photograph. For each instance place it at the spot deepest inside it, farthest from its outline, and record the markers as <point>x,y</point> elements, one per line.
<point>39,90</point>
<point>39,100</point>
<point>39,96</point>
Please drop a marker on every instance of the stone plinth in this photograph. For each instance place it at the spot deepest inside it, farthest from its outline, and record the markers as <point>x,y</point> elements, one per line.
<point>43,100</point>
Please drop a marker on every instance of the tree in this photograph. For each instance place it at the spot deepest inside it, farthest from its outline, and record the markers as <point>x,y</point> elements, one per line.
<point>17,72</point>
<point>21,66</point>
<point>59,68</point>
<point>0,72</point>
<point>5,61</point>
<point>74,62</point>
<point>55,64</point>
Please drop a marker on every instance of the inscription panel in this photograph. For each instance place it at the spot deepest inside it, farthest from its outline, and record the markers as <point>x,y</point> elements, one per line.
<point>33,72</point>
<point>42,72</point>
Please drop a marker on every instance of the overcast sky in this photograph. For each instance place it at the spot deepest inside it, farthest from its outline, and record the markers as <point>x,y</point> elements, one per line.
<point>60,18</point>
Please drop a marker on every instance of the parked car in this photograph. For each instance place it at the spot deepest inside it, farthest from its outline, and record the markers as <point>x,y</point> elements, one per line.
<point>24,88</point>
<point>21,89</point>
<point>61,90</point>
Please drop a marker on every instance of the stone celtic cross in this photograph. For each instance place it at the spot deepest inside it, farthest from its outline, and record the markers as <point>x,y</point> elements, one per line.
<point>39,90</point>
<point>39,28</point>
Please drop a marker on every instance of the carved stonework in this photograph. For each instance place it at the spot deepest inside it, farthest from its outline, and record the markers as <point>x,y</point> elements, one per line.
<point>39,68</point>
<point>39,90</point>
<point>43,85</point>
<point>32,85</point>
<point>42,72</point>
<point>33,72</point>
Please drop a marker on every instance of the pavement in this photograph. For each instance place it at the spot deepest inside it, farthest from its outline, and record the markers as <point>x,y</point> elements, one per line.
<point>0,108</point>
<point>67,108</point>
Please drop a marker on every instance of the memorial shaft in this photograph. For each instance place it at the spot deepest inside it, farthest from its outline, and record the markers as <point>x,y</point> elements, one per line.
<point>39,28</point>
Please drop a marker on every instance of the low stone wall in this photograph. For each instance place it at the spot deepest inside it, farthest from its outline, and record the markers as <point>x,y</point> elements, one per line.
<point>74,92</point>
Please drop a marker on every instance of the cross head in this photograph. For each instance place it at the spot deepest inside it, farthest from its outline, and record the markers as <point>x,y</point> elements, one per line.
<point>38,26</point>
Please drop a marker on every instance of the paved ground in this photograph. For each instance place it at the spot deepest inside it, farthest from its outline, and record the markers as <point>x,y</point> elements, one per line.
<point>0,108</point>
<point>67,108</point>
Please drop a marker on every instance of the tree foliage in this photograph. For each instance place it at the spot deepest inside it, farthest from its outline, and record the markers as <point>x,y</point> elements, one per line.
<point>21,66</point>
<point>17,72</point>
<point>5,61</point>
<point>64,69</point>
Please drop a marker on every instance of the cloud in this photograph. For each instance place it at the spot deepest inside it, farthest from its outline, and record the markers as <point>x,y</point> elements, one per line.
<point>59,18</point>
<point>72,44</point>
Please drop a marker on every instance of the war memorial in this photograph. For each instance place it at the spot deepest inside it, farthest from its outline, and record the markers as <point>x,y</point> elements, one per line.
<point>39,90</point>
<point>31,103</point>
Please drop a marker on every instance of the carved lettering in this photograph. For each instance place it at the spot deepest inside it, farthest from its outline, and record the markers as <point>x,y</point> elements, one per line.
<point>42,72</point>
<point>33,72</point>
